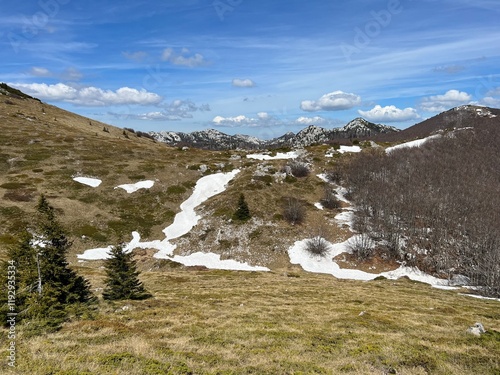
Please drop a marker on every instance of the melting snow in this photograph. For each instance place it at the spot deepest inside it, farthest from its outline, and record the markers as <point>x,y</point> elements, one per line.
<point>131,188</point>
<point>411,144</point>
<point>325,264</point>
<point>184,221</point>
<point>279,156</point>
<point>343,150</point>
<point>93,182</point>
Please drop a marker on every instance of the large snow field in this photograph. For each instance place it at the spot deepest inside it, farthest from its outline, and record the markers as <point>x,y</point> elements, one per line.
<point>184,221</point>
<point>343,150</point>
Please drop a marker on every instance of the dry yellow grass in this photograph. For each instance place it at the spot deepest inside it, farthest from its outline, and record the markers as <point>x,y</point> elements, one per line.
<point>222,322</point>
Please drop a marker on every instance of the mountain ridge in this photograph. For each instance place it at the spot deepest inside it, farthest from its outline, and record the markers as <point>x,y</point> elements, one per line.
<point>308,136</point>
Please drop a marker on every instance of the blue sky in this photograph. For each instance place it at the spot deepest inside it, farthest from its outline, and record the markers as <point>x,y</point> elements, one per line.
<point>254,67</point>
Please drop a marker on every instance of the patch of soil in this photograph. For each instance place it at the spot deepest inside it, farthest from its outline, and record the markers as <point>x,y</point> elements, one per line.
<point>377,263</point>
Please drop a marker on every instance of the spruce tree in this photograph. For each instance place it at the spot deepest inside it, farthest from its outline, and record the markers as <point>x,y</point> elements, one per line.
<point>243,212</point>
<point>122,280</point>
<point>64,284</point>
<point>46,288</point>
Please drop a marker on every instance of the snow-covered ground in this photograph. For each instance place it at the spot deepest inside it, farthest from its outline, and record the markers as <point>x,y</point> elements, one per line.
<point>325,264</point>
<point>343,150</point>
<point>131,188</point>
<point>184,221</point>
<point>411,144</point>
<point>93,182</point>
<point>279,156</point>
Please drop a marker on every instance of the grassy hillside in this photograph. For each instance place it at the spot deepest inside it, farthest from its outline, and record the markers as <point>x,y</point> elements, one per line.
<point>44,147</point>
<point>215,322</point>
<point>222,322</point>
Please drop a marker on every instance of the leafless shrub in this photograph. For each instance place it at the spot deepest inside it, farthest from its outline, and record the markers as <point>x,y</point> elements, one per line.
<point>362,246</point>
<point>299,169</point>
<point>334,176</point>
<point>317,246</point>
<point>294,211</point>
<point>330,199</point>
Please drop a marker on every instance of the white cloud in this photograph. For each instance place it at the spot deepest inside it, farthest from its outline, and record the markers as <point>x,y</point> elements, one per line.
<point>440,103</point>
<point>316,120</point>
<point>184,58</point>
<point>389,113</point>
<point>69,74</point>
<point>263,119</point>
<point>89,96</point>
<point>243,82</point>
<point>333,101</point>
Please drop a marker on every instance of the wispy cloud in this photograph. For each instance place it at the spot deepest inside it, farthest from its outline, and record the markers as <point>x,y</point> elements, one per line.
<point>184,58</point>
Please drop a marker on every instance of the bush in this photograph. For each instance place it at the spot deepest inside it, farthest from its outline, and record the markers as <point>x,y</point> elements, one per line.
<point>299,169</point>
<point>330,200</point>
<point>362,246</point>
<point>334,176</point>
<point>317,246</point>
<point>294,211</point>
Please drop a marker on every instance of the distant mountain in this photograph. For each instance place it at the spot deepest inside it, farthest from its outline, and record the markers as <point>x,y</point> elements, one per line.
<point>216,140</point>
<point>455,118</point>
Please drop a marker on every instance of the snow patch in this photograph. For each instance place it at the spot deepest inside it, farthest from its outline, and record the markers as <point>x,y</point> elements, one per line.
<point>342,150</point>
<point>184,221</point>
<point>325,264</point>
<point>412,144</point>
<point>93,182</point>
<point>279,156</point>
<point>131,188</point>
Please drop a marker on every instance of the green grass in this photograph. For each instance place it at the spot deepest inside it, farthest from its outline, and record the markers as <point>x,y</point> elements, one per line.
<point>224,322</point>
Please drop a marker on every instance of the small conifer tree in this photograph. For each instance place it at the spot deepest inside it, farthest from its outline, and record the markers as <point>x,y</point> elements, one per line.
<point>46,288</point>
<point>243,212</point>
<point>122,280</point>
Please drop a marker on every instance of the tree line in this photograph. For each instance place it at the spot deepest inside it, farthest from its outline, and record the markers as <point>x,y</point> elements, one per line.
<point>436,206</point>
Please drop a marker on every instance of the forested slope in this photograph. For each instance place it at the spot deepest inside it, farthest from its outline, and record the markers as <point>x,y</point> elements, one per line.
<point>436,206</point>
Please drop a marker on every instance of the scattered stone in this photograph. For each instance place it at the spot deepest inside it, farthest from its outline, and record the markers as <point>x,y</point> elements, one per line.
<point>476,330</point>
<point>362,313</point>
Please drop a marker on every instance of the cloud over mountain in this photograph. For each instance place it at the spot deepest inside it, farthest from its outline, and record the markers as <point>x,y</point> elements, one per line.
<point>333,101</point>
<point>389,113</point>
<point>450,99</point>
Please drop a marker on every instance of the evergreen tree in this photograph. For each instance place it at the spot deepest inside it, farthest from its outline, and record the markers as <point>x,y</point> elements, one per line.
<point>243,212</point>
<point>122,277</point>
<point>46,288</point>
<point>64,284</point>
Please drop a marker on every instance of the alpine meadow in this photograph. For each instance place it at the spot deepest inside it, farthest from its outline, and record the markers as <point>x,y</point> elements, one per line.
<point>232,187</point>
